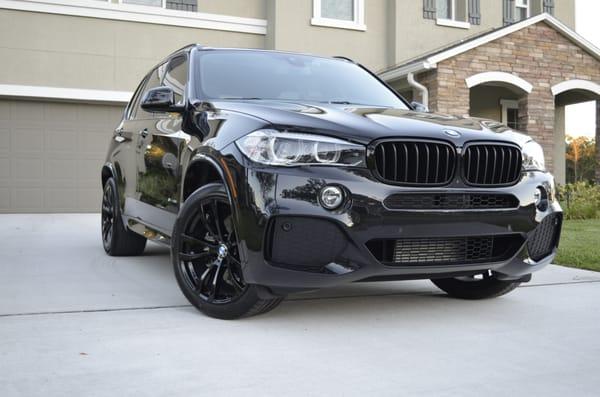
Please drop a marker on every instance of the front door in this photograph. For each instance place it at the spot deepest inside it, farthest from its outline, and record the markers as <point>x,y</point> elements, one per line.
<point>160,144</point>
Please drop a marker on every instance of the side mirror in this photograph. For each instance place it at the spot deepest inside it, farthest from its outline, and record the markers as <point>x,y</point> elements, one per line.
<point>160,99</point>
<point>419,107</point>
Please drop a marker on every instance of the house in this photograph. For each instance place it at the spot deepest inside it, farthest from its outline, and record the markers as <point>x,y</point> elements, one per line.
<point>70,66</point>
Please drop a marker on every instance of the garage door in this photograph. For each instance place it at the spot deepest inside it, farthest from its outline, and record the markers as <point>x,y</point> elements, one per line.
<point>51,155</point>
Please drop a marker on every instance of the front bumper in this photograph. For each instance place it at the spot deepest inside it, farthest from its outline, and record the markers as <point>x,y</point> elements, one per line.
<point>290,242</point>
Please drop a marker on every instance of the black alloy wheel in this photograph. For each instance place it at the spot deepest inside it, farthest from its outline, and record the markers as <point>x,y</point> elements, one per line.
<point>208,253</point>
<point>116,239</point>
<point>108,215</point>
<point>206,258</point>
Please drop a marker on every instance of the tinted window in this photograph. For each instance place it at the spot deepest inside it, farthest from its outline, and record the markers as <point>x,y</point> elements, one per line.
<point>272,75</point>
<point>152,81</point>
<point>133,104</point>
<point>176,77</point>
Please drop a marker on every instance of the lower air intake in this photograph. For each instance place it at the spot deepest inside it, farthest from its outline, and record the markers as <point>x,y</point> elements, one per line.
<point>445,250</point>
<point>544,238</point>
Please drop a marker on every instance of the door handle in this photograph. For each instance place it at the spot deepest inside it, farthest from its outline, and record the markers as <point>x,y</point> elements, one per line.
<point>144,132</point>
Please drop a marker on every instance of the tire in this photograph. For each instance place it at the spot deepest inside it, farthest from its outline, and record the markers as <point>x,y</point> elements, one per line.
<point>205,256</point>
<point>116,239</point>
<point>484,287</point>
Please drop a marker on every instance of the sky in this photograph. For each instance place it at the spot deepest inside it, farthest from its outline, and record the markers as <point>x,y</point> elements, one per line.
<point>581,118</point>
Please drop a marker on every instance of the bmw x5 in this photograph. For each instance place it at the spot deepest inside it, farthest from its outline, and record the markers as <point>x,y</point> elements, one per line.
<point>270,172</point>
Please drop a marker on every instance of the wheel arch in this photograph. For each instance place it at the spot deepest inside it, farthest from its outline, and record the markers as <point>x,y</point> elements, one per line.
<point>203,170</point>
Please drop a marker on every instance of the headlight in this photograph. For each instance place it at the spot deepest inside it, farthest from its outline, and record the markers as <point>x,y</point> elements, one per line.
<point>533,157</point>
<point>292,149</point>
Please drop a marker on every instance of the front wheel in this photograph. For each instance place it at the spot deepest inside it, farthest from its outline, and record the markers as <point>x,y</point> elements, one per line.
<point>481,286</point>
<point>206,258</point>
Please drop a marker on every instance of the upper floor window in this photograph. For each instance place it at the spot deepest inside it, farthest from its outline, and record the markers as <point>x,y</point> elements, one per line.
<point>345,14</point>
<point>186,5</point>
<point>453,13</point>
<point>521,10</point>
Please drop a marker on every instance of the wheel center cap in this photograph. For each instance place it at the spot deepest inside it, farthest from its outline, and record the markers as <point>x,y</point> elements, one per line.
<point>222,251</point>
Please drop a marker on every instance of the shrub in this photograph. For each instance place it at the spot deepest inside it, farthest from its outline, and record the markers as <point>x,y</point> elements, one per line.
<point>580,200</point>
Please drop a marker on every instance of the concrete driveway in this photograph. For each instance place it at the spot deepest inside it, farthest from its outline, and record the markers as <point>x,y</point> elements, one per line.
<point>75,322</point>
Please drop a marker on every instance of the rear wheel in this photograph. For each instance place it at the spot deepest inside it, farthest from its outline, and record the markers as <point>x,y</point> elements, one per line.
<point>206,258</point>
<point>117,240</point>
<point>481,286</point>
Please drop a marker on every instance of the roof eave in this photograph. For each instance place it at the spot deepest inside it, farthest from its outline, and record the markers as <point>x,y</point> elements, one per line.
<point>433,60</point>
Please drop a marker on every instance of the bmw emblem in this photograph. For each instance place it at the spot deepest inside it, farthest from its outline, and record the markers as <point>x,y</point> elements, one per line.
<point>452,133</point>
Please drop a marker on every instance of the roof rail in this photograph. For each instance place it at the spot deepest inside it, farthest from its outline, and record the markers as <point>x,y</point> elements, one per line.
<point>344,58</point>
<point>186,47</point>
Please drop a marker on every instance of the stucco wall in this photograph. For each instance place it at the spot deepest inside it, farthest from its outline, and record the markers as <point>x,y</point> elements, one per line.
<point>67,51</point>
<point>417,35</point>
<point>244,8</point>
<point>290,30</point>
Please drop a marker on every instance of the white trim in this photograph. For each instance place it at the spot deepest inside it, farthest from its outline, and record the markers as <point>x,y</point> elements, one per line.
<point>358,22</point>
<point>452,23</point>
<point>64,94</point>
<point>502,77</point>
<point>137,13</point>
<point>395,74</point>
<point>433,60</point>
<point>585,85</point>
<point>507,104</point>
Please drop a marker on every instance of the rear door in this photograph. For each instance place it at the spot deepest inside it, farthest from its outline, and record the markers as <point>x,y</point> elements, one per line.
<point>124,155</point>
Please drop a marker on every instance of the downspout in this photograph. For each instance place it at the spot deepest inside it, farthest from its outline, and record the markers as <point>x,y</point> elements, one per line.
<point>420,87</point>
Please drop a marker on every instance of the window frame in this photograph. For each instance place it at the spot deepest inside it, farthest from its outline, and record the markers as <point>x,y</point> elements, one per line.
<point>135,99</point>
<point>162,6</point>
<point>358,22</point>
<point>519,5</point>
<point>184,95</point>
<point>508,104</point>
<point>452,22</point>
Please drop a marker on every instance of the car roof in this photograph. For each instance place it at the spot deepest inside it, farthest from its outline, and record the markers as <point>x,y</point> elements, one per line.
<point>201,47</point>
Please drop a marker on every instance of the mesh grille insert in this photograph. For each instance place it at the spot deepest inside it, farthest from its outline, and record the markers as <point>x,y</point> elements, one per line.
<point>445,250</point>
<point>450,201</point>
<point>544,238</point>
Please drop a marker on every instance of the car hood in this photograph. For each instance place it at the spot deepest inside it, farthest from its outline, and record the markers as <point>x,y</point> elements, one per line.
<point>364,124</point>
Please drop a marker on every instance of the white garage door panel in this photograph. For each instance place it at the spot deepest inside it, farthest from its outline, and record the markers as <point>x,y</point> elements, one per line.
<point>51,155</point>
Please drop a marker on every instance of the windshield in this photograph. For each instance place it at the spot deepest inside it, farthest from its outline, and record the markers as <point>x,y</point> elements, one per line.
<point>282,76</point>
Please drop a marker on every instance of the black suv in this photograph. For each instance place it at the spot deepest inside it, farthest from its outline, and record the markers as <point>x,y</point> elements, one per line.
<point>272,172</point>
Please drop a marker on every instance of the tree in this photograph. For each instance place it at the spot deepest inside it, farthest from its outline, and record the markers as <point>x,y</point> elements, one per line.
<point>581,159</point>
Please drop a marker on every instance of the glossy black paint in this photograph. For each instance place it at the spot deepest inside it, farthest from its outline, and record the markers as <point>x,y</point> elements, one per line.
<point>158,158</point>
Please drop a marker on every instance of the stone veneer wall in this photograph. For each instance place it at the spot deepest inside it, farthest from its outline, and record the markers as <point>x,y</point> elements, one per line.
<point>538,54</point>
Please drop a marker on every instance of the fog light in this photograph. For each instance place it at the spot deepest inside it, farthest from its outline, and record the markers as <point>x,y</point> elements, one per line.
<point>331,197</point>
<point>541,198</point>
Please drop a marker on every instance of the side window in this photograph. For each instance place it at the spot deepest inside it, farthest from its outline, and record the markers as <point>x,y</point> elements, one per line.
<point>135,100</point>
<point>176,77</point>
<point>152,81</point>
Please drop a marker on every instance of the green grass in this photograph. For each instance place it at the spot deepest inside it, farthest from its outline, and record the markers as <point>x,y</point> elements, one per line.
<point>580,244</point>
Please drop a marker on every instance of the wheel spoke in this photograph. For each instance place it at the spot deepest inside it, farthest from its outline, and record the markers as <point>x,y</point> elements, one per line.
<point>215,210</point>
<point>184,256</point>
<point>216,281</point>
<point>234,281</point>
<point>194,240</point>
<point>234,261</point>
<point>206,223</point>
